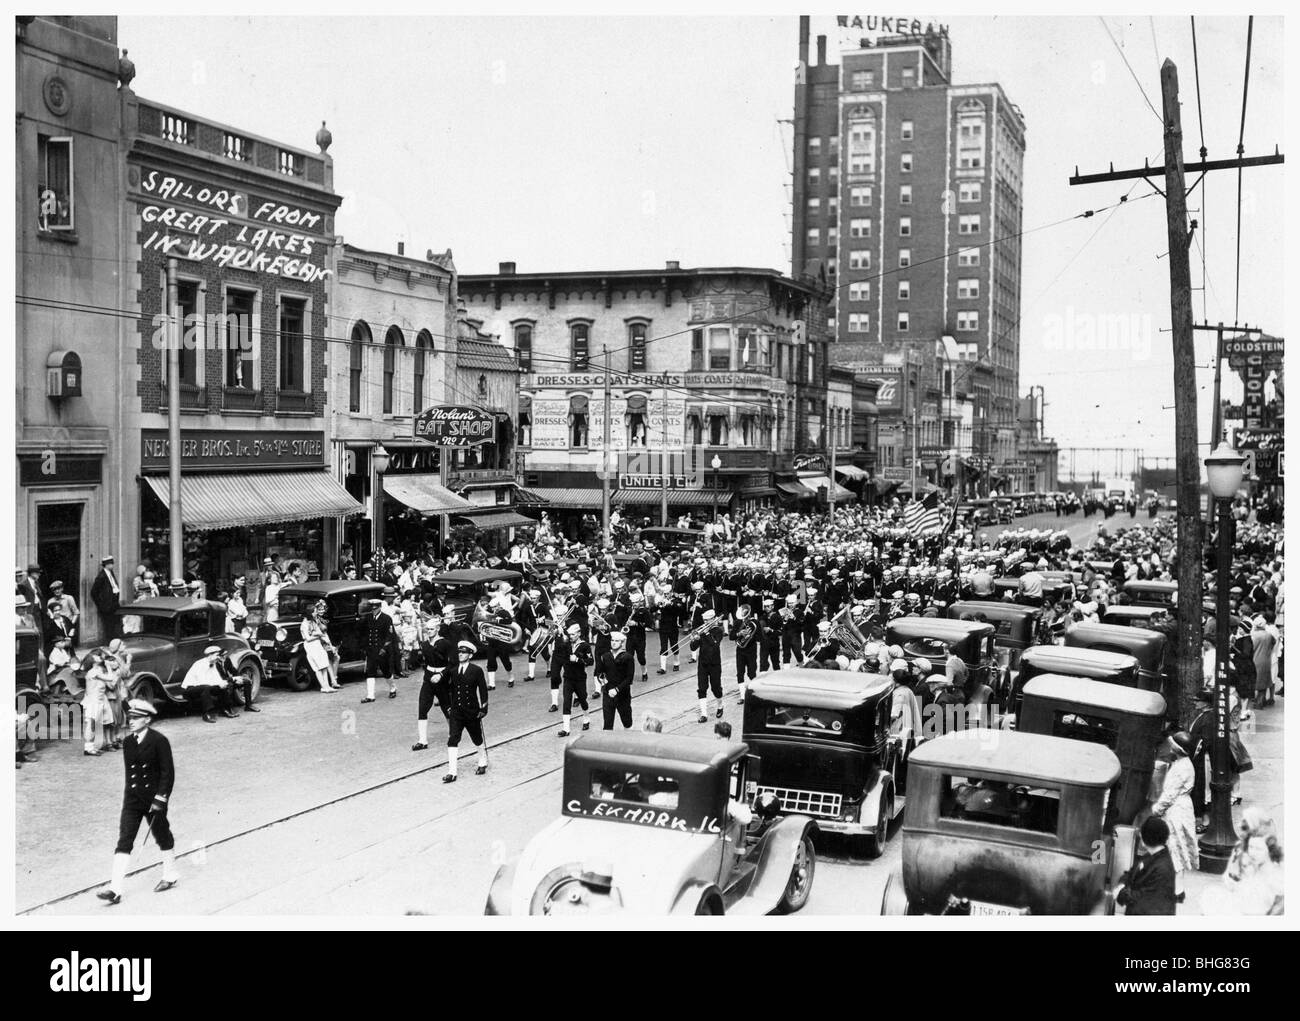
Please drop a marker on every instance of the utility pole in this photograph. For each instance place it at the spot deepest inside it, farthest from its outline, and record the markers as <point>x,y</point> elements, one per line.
<point>605,452</point>
<point>663,462</point>
<point>830,489</point>
<point>175,524</point>
<point>1180,306</point>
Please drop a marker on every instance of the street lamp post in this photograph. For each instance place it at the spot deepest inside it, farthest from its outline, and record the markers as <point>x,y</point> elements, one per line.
<point>1224,468</point>
<point>379,461</point>
<point>715,464</point>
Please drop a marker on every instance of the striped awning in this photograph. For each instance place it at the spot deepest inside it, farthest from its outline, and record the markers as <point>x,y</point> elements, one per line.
<point>425,494</point>
<point>528,497</point>
<point>850,471</point>
<point>676,497</point>
<point>497,519</point>
<point>568,498</point>
<point>795,490</point>
<point>228,501</point>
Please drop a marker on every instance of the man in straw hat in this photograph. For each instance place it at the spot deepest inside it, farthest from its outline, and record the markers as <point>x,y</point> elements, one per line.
<point>147,757</point>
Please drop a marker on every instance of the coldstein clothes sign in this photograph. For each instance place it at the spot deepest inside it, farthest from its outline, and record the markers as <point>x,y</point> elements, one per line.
<point>450,426</point>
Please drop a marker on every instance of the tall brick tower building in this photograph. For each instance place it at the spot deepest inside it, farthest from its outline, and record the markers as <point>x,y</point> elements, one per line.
<point>908,189</point>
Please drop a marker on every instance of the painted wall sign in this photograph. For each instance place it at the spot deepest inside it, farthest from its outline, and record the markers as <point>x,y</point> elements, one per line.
<point>554,426</point>
<point>242,449</point>
<point>452,426</point>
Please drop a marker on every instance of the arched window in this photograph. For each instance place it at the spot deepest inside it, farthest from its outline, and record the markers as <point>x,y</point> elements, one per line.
<point>356,363</point>
<point>971,118</point>
<point>636,340</point>
<point>524,346</point>
<point>393,341</point>
<point>579,346</point>
<point>423,349</point>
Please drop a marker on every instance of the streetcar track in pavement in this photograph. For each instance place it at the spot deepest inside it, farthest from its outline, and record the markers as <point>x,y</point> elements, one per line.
<point>512,739</point>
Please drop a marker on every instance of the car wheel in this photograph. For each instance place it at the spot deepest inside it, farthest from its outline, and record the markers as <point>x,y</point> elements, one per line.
<point>710,904</point>
<point>894,901</point>
<point>799,887</point>
<point>301,676</point>
<point>251,670</point>
<point>875,842</point>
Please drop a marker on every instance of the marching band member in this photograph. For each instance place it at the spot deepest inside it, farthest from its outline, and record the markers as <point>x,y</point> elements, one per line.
<point>617,682</point>
<point>526,616</point>
<point>771,624</point>
<point>826,649</point>
<point>569,662</point>
<point>494,611</point>
<point>814,612</point>
<point>708,642</point>
<point>671,611</point>
<point>439,652</point>
<point>696,608</point>
<point>600,626</point>
<point>633,619</point>
<point>745,634</point>
<point>791,629</point>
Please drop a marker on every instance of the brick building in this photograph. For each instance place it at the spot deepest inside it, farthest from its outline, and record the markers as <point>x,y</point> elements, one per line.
<point>704,363</point>
<point>903,181</point>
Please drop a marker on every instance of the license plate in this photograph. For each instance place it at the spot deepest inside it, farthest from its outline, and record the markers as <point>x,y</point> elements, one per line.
<point>980,907</point>
<point>266,643</point>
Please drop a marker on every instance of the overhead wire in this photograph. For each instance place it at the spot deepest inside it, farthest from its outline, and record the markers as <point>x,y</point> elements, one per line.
<point>1136,81</point>
<point>1200,124</point>
<point>1241,151</point>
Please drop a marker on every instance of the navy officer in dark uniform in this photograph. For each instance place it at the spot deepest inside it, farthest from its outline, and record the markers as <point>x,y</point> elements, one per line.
<point>467,693</point>
<point>378,639</point>
<point>616,682</point>
<point>147,756</point>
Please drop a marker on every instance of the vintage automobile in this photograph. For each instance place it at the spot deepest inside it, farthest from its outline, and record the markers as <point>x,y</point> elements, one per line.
<point>1152,593</point>
<point>173,634</point>
<point>1052,587</point>
<point>461,590</point>
<point>1147,647</point>
<point>972,641</point>
<point>280,643</point>
<point>1133,616</point>
<point>1015,826</point>
<point>1127,721</point>
<point>670,540</point>
<point>655,824</point>
<point>1110,667</point>
<point>1016,628</point>
<point>27,666</point>
<point>823,738</point>
<point>979,513</point>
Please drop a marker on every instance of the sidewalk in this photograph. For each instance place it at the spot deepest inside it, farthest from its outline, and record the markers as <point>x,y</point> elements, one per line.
<point>1261,787</point>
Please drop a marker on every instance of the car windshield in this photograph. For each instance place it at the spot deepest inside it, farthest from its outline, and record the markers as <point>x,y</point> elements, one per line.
<point>297,604</point>
<point>637,788</point>
<point>804,719</point>
<point>1000,803</point>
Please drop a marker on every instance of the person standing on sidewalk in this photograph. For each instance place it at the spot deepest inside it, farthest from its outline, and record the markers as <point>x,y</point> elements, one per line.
<point>1148,887</point>
<point>106,594</point>
<point>1174,806</point>
<point>150,775</point>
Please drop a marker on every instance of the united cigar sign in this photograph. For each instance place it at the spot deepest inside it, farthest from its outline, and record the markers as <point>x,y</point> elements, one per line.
<point>450,426</point>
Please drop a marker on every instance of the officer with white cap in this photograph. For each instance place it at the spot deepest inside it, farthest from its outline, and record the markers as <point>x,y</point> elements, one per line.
<point>147,757</point>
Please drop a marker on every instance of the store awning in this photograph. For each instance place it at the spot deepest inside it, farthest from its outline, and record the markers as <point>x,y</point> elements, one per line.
<point>676,497</point>
<point>850,471</point>
<point>528,497</point>
<point>815,482</point>
<point>497,519</point>
<point>796,490</point>
<point>883,486</point>
<point>425,494</point>
<point>756,491</point>
<point>569,498</point>
<point>228,501</point>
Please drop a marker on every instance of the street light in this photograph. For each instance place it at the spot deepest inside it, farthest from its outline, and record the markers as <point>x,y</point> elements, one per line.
<point>379,461</point>
<point>715,464</point>
<point>1224,468</point>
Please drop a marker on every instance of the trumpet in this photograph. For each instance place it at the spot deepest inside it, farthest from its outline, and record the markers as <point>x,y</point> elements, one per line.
<point>702,630</point>
<point>597,622</point>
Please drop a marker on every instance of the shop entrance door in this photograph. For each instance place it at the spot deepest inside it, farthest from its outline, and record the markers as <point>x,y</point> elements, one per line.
<point>58,547</point>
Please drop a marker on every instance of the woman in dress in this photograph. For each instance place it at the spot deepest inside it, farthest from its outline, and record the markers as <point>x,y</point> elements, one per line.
<point>118,661</point>
<point>318,648</point>
<point>1253,883</point>
<point>95,711</point>
<point>1263,647</point>
<point>1175,806</point>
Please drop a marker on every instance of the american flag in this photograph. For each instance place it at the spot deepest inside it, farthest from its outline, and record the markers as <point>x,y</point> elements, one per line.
<point>922,516</point>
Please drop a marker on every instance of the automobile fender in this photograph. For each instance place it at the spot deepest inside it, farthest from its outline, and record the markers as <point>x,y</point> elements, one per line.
<point>776,857</point>
<point>238,657</point>
<point>157,690</point>
<point>499,893</point>
<point>882,787</point>
<point>692,894</point>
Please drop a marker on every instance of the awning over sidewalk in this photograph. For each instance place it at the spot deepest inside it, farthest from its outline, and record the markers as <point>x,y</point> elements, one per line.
<point>567,498</point>
<point>797,491</point>
<point>528,497</point>
<point>850,471</point>
<point>838,492</point>
<point>676,497</point>
<point>228,501</point>
<point>497,519</point>
<point>425,494</point>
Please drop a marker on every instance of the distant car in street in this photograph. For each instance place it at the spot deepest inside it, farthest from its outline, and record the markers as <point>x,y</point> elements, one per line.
<point>173,633</point>
<point>280,643</point>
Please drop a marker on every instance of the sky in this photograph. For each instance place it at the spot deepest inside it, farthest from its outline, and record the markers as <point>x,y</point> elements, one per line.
<point>578,142</point>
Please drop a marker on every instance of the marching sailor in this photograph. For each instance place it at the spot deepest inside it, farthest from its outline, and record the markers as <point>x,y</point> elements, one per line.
<point>745,634</point>
<point>571,658</point>
<point>467,693</point>
<point>616,684</point>
<point>708,643</point>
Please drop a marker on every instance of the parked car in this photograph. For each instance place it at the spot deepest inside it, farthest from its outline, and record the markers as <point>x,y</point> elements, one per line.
<point>1133,616</point>
<point>1016,628</point>
<point>650,825</point>
<point>174,632</point>
<point>27,649</point>
<point>1111,667</point>
<point>1127,721</point>
<point>1147,647</point>
<point>980,513</point>
<point>280,643</point>
<point>461,590</point>
<point>932,637</point>
<point>670,540</point>
<point>823,738</point>
<point>1152,593</point>
<point>1015,826</point>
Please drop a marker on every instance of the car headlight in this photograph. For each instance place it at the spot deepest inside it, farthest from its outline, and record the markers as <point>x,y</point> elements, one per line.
<point>281,634</point>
